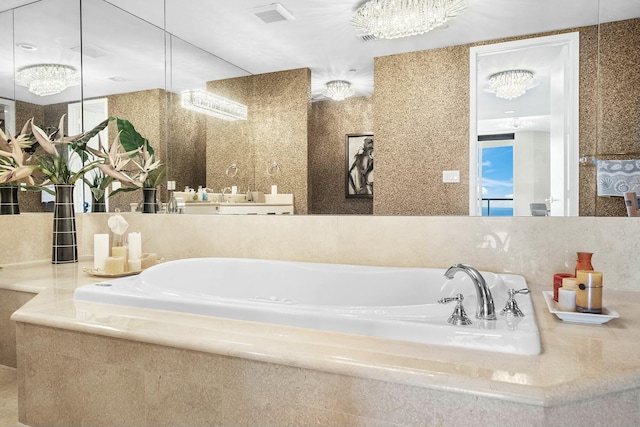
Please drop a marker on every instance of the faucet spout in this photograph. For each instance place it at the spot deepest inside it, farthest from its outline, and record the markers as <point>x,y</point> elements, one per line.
<point>224,191</point>
<point>485,308</point>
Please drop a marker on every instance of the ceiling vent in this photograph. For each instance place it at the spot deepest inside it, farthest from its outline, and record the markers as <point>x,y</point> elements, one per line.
<point>272,13</point>
<point>368,37</point>
<point>91,51</point>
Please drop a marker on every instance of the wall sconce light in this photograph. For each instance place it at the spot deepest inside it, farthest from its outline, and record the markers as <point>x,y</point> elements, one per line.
<point>213,105</point>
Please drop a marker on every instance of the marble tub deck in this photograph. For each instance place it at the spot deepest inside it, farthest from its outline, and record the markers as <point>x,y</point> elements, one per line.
<point>578,363</point>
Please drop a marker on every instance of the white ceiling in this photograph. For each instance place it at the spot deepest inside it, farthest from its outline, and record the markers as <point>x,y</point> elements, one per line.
<point>123,54</point>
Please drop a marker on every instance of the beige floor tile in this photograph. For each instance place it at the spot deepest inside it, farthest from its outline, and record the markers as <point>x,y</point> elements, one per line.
<point>8,397</point>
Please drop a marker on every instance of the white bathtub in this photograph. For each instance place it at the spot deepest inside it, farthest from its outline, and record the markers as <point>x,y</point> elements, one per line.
<point>386,302</point>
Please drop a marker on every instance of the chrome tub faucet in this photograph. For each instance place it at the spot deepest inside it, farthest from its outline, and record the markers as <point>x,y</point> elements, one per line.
<point>485,308</point>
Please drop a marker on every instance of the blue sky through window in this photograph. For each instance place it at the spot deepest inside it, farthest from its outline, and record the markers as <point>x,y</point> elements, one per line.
<point>497,179</point>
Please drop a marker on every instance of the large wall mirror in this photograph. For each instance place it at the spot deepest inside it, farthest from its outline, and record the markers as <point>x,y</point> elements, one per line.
<point>139,56</point>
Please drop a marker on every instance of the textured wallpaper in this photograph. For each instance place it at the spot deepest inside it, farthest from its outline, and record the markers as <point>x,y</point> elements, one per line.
<point>421,106</point>
<point>618,125</point>
<point>146,110</point>
<point>330,122</point>
<point>276,131</point>
<point>186,145</point>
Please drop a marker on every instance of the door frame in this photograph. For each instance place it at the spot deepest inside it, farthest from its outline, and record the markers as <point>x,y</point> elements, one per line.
<point>76,125</point>
<point>571,148</point>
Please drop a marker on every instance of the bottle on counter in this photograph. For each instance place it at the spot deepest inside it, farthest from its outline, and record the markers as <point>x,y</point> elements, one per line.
<point>584,262</point>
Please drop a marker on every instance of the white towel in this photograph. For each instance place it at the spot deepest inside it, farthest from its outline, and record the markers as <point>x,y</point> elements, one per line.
<point>616,177</point>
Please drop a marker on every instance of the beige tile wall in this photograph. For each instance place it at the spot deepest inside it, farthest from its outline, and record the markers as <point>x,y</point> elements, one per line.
<point>535,247</point>
<point>68,378</point>
<point>10,301</point>
<point>530,246</point>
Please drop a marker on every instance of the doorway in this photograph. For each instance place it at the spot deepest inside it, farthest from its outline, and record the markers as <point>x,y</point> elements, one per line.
<point>543,120</point>
<point>83,116</point>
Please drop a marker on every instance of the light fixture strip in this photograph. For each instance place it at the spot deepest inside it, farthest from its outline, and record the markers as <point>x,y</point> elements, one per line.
<point>213,105</point>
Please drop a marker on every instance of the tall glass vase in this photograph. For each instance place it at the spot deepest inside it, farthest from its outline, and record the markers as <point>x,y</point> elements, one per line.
<point>98,205</point>
<point>9,200</point>
<point>149,200</point>
<point>65,243</point>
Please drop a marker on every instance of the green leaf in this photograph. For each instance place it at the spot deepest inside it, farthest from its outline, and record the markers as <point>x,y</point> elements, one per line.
<point>93,132</point>
<point>156,177</point>
<point>130,138</point>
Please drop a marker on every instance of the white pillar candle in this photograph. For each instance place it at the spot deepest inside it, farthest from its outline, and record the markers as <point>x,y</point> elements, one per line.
<point>135,265</point>
<point>100,250</point>
<point>566,299</point>
<point>119,252</point>
<point>114,265</point>
<point>135,246</point>
<point>171,185</point>
<point>274,189</point>
<point>234,189</point>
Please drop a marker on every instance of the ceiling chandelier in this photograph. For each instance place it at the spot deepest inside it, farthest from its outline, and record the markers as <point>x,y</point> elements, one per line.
<point>338,90</point>
<point>511,84</point>
<point>390,19</point>
<point>47,79</point>
<point>515,123</point>
<point>213,105</point>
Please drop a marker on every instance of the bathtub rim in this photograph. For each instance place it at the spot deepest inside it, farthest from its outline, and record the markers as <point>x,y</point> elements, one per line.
<point>399,321</point>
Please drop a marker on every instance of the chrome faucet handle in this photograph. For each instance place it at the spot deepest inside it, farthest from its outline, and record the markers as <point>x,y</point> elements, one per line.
<point>511,308</point>
<point>459,316</point>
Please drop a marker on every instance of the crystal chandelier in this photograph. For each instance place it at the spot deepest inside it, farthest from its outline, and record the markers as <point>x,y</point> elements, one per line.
<point>47,79</point>
<point>511,84</point>
<point>515,123</point>
<point>213,105</point>
<point>390,19</point>
<point>338,90</point>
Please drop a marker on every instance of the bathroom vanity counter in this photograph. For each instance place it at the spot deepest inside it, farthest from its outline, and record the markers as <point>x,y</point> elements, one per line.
<point>243,208</point>
<point>580,364</point>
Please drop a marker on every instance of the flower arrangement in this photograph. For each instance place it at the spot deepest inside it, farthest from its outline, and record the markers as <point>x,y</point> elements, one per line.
<point>54,163</point>
<point>130,159</point>
<point>12,157</point>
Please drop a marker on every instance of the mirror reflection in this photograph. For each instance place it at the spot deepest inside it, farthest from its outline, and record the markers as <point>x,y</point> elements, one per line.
<point>526,120</point>
<point>420,115</point>
<point>47,71</point>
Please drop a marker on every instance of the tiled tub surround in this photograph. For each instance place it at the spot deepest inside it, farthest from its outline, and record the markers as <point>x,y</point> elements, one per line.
<point>172,367</point>
<point>149,368</point>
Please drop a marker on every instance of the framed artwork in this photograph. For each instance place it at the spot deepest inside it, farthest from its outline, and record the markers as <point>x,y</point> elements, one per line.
<point>359,165</point>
